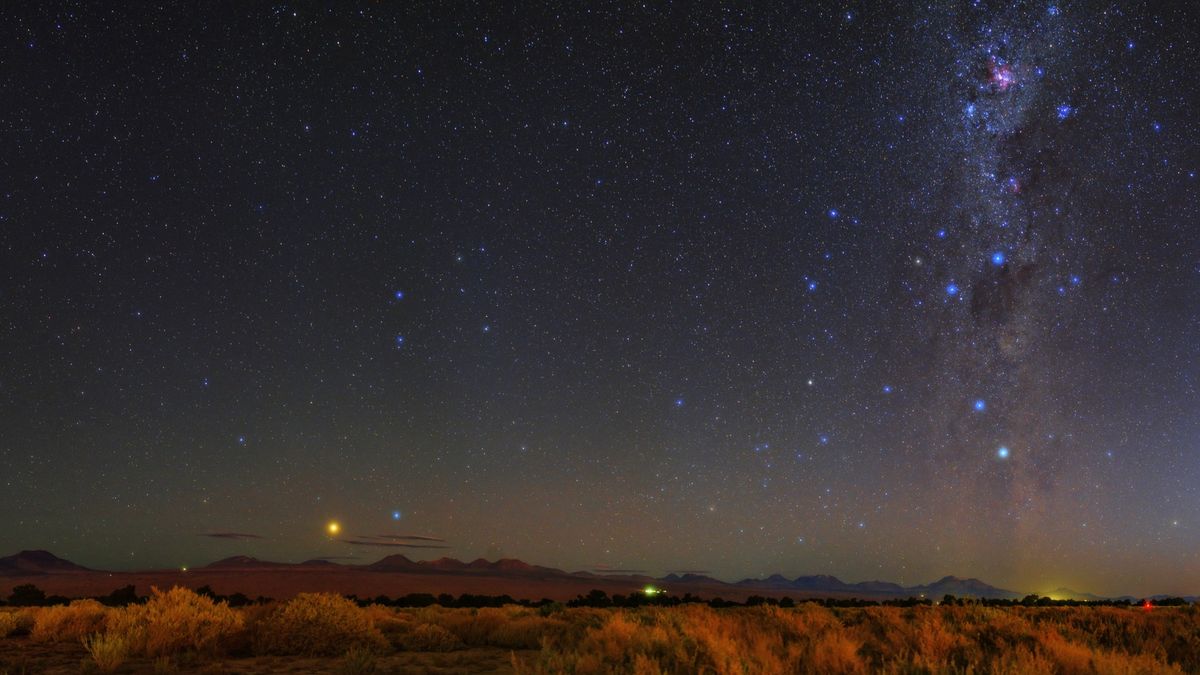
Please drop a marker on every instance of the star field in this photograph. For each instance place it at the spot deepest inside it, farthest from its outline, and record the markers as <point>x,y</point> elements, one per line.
<point>881,292</point>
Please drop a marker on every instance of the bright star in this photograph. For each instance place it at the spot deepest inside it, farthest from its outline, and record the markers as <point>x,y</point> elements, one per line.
<point>952,289</point>
<point>1064,111</point>
<point>887,388</point>
<point>998,258</point>
<point>679,403</point>
<point>833,213</point>
<point>333,528</point>
<point>1002,452</point>
<point>396,515</point>
<point>399,295</point>
<point>980,405</point>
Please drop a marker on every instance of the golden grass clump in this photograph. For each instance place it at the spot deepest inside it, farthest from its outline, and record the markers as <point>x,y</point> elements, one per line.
<point>71,622</point>
<point>317,624</point>
<point>176,621</point>
<point>8,623</point>
<point>426,637</point>
<point>108,651</point>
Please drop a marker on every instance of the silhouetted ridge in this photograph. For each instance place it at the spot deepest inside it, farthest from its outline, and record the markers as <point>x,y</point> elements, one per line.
<point>241,562</point>
<point>37,562</point>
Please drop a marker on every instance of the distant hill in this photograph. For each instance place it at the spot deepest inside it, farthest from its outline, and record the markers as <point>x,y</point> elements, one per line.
<point>964,588</point>
<point>823,583</point>
<point>242,562</point>
<point>36,562</point>
<point>481,575</point>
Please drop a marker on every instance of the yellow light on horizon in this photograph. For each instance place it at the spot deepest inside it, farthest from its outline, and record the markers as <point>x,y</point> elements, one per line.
<point>333,528</point>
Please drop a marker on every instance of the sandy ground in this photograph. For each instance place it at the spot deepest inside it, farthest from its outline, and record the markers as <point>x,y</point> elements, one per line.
<point>21,655</point>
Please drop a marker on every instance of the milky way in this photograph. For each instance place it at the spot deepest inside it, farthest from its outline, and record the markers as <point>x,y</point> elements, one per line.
<point>876,292</point>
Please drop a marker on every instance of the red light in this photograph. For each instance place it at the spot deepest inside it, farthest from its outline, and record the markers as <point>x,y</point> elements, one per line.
<point>1147,605</point>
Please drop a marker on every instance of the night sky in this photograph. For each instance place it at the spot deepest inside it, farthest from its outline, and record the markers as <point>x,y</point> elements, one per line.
<point>880,292</point>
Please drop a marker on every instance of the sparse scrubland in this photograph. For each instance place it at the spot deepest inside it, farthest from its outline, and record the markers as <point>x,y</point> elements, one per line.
<point>182,631</point>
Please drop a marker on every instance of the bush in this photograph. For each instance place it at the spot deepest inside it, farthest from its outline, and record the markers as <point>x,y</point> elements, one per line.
<point>316,624</point>
<point>358,661</point>
<point>8,623</point>
<point>427,637</point>
<point>70,622</point>
<point>27,595</point>
<point>175,621</point>
<point>108,651</point>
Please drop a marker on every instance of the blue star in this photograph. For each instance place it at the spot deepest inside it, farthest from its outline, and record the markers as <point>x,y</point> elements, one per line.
<point>998,258</point>
<point>487,328</point>
<point>1002,452</point>
<point>980,405</point>
<point>887,388</point>
<point>1064,111</point>
<point>812,286</point>
<point>823,439</point>
<point>833,213</point>
<point>399,341</point>
<point>1052,10</point>
<point>679,402</point>
<point>941,234</point>
<point>396,515</point>
<point>952,289</point>
<point>1156,127</point>
<point>241,440</point>
<point>1075,280</point>
<point>399,295</point>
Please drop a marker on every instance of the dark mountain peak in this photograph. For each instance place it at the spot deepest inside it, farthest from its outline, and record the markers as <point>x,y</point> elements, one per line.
<point>37,562</point>
<point>241,561</point>
<point>446,564</point>
<point>394,562</point>
<point>952,585</point>
<point>512,565</point>
<point>319,562</point>
<point>818,582</point>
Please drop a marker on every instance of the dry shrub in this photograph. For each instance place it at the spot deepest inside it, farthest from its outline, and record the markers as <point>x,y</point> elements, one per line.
<point>525,632</point>
<point>358,661</point>
<point>8,623</point>
<point>108,651</point>
<point>317,624</point>
<point>68,622</point>
<point>21,620</point>
<point>426,637</point>
<point>175,621</point>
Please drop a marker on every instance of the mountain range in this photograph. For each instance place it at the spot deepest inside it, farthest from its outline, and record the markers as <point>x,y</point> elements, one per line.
<point>38,563</point>
<point>397,574</point>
